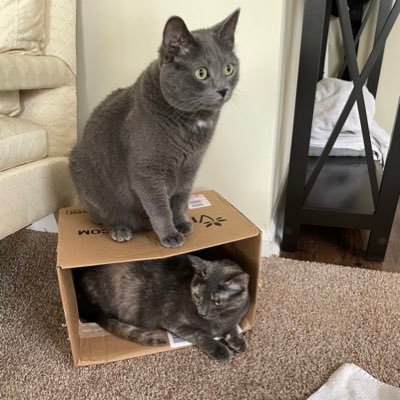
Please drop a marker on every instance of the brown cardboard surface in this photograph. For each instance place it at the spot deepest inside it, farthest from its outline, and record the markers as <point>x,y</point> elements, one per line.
<point>105,347</point>
<point>68,299</point>
<point>82,243</point>
<point>109,348</point>
<point>234,237</point>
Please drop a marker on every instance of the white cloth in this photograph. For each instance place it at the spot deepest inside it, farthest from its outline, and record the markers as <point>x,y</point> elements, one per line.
<point>330,99</point>
<point>350,382</point>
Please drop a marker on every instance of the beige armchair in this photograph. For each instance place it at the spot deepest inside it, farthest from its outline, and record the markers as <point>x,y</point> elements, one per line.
<point>37,109</point>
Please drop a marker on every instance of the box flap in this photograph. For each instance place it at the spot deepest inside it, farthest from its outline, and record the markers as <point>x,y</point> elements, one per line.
<point>82,243</point>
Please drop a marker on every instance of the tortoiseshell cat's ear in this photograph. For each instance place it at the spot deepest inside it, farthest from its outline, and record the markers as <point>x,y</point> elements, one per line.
<point>177,40</point>
<point>199,265</point>
<point>225,30</point>
<point>237,283</point>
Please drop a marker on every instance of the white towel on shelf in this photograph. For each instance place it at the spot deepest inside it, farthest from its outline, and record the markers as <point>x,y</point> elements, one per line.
<point>330,98</point>
<point>350,382</point>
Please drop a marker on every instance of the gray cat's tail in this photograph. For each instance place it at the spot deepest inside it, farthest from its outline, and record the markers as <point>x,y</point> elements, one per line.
<point>130,332</point>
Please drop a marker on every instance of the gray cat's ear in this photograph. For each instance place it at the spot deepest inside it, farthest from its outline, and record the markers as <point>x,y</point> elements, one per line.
<point>177,40</point>
<point>225,30</point>
<point>237,283</point>
<point>199,265</point>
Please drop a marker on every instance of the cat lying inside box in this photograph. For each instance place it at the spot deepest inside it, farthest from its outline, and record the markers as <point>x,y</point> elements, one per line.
<point>188,296</point>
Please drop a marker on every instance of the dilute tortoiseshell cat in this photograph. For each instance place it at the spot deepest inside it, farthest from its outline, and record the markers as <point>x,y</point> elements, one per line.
<point>135,165</point>
<point>195,299</point>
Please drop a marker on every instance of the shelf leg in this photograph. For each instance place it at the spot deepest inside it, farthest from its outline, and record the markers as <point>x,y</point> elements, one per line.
<point>290,237</point>
<point>315,19</point>
<point>388,198</point>
<point>377,244</point>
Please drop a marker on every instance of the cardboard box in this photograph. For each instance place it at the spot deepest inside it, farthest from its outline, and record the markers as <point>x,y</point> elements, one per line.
<point>219,231</point>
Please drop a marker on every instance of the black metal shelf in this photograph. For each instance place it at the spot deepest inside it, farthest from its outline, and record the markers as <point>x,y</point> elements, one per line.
<point>342,185</point>
<point>348,192</point>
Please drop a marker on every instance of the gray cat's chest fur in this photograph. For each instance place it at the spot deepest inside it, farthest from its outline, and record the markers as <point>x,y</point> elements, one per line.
<point>152,135</point>
<point>178,140</point>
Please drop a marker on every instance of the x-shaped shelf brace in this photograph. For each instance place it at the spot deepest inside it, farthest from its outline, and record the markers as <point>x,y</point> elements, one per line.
<point>356,94</point>
<point>360,31</point>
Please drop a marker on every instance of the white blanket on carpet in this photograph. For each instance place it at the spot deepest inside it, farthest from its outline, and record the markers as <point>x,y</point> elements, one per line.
<point>330,98</point>
<point>350,382</point>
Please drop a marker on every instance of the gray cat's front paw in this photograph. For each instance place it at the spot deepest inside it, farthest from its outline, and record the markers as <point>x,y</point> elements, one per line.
<point>173,240</point>
<point>237,344</point>
<point>221,353</point>
<point>121,233</point>
<point>185,228</point>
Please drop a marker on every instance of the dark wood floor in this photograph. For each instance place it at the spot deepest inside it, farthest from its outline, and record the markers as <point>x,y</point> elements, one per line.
<point>345,247</point>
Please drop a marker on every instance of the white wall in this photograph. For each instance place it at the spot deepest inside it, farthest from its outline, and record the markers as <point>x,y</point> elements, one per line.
<point>118,39</point>
<point>292,25</point>
<point>388,94</point>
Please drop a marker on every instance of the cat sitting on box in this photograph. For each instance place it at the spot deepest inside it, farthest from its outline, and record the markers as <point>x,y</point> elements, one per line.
<point>135,164</point>
<point>192,298</point>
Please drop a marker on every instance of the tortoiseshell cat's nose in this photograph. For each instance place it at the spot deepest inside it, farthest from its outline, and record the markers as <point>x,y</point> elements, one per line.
<point>203,310</point>
<point>222,92</point>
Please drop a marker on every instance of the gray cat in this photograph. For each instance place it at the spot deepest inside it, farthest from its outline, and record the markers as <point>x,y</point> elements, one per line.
<point>142,146</point>
<point>195,299</point>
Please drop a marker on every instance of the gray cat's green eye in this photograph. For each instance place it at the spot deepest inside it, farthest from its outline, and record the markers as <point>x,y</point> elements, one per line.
<point>228,70</point>
<point>201,73</point>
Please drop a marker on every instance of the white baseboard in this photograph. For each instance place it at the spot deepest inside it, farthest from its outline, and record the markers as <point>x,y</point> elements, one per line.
<point>269,245</point>
<point>46,224</point>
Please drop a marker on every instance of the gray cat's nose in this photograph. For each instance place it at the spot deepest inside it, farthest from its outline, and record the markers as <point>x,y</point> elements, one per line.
<point>222,92</point>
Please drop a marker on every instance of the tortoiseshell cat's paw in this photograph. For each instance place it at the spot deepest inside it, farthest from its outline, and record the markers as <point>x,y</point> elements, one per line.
<point>173,240</point>
<point>236,343</point>
<point>121,233</point>
<point>185,228</point>
<point>152,339</point>
<point>220,353</point>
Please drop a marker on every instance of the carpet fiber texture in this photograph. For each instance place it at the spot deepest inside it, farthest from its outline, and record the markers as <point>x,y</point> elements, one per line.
<point>311,319</point>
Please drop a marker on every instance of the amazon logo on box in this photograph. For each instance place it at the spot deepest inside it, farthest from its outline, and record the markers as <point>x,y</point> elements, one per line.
<point>92,231</point>
<point>209,221</point>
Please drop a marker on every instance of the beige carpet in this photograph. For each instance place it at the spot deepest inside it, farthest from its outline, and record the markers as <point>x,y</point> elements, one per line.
<point>311,319</point>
